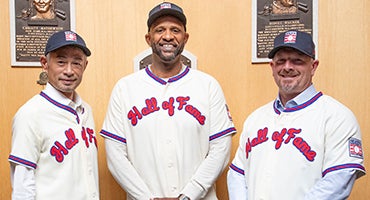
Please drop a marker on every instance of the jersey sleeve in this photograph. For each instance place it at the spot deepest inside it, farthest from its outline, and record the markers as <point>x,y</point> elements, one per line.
<point>343,142</point>
<point>26,142</point>
<point>221,120</point>
<point>113,125</point>
<point>239,160</point>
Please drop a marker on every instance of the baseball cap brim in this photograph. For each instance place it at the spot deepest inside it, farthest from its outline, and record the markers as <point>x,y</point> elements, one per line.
<point>83,48</point>
<point>276,49</point>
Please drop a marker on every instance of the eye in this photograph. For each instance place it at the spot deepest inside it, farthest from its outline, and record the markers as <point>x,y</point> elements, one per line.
<point>176,30</point>
<point>77,64</point>
<point>280,61</point>
<point>159,30</point>
<point>298,62</point>
<point>61,62</point>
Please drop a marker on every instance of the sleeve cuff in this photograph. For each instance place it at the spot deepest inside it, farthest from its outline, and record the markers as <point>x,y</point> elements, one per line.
<point>194,191</point>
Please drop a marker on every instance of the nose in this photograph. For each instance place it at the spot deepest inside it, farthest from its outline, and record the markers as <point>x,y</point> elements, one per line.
<point>288,65</point>
<point>167,35</point>
<point>68,69</point>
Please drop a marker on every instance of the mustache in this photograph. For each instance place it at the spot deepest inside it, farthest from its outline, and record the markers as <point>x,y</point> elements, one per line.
<point>288,73</point>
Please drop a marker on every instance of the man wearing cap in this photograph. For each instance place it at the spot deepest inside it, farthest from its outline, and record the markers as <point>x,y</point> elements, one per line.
<point>54,146</point>
<point>167,129</point>
<point>304,144</point>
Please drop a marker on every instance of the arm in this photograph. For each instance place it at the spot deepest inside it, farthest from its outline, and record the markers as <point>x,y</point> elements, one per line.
<point>210,169</point>
<point>335,185</point>
<point>23,182</point>
<point>343,148</point>
<point>25,152</point>
<point>342,164</point>
<point>123,172</point>
<point>116,150</point>
<point>236,176</point>
<point>236,186</point>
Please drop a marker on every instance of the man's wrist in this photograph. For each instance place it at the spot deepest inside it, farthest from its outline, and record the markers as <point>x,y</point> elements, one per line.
<point>183,197</point>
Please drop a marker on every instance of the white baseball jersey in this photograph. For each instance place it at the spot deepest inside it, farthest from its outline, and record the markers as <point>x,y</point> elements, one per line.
<point>167,126</point>
<point>59,143</point>
<point>283,154</point>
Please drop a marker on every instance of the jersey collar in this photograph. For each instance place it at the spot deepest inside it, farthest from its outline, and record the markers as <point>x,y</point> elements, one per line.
<point>306,98</point>
<point>55,97</point>
<point>185,70</point>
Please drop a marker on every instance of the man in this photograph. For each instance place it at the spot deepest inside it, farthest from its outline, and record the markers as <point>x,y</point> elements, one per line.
<point>167,129</point>
<point>303,145</point>
<point>54,147</point>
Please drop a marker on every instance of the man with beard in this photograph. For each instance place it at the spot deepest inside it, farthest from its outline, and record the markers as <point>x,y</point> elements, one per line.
<point>303,145</point>
<point>167,129</point>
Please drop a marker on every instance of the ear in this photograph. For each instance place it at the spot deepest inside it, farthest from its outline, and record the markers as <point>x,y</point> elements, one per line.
<point>147,38</point>
<point>186,37</point>
<point>315,65</point>
<point>44,63</point>
<point>271,66</point>
<point>271,63</point>
<point>87,62</point>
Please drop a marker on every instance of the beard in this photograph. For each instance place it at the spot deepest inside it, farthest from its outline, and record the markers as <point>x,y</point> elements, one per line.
<point>288,88</point>
<point>156,48</point>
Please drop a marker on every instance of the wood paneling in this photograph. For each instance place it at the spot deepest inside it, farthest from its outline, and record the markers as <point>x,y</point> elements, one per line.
<point>220,37</point>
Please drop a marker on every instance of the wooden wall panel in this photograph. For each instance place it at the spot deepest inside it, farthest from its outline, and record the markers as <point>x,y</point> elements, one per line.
<point>220,37</point>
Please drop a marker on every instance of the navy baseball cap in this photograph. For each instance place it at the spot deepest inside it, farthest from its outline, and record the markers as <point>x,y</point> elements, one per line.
<point>298,40</point>
<point>166,8</point>
<point>65,38</point>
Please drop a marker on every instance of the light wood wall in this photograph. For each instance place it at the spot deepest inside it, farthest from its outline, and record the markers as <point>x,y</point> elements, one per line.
<point>220,37</point>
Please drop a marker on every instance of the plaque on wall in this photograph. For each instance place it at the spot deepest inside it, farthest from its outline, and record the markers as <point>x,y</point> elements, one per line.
<point>271,17</point>
<point>31,24</point>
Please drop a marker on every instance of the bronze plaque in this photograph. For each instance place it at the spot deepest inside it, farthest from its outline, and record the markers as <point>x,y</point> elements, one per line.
<point>32,22</point>
<point>272,17</point>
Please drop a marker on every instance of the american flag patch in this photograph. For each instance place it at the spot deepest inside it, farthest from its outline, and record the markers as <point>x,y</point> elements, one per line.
<point>290,37</point>
<point>165,5</point>
<point>355,149</point>
<point>70,36</point>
